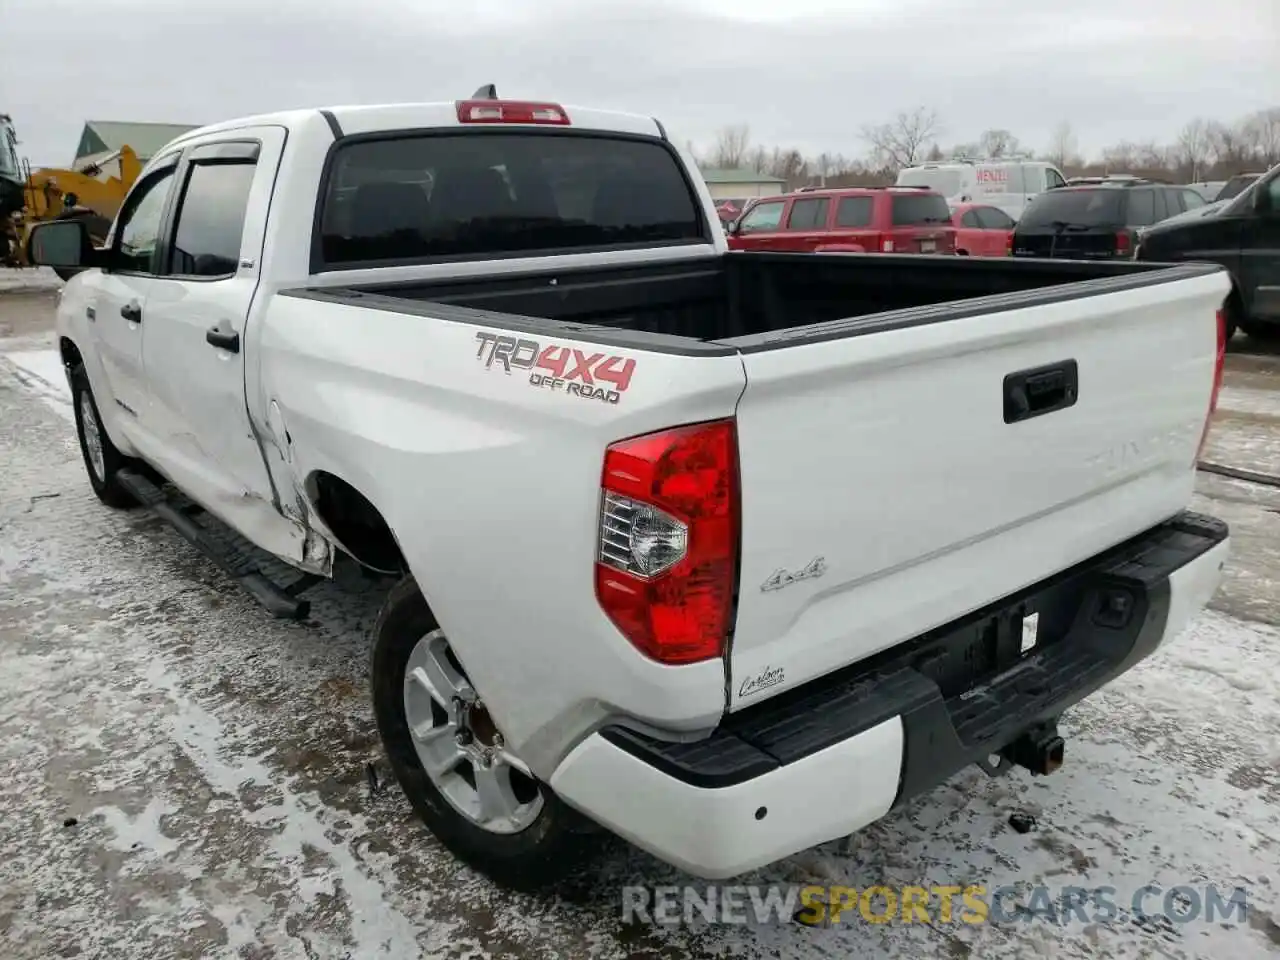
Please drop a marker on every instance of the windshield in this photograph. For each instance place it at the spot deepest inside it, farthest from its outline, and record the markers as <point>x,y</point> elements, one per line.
<point>912,209</point>
<point>1235,186</point>
<point>1074,207</point>
<point>946,182</point>
<point>426,197</point>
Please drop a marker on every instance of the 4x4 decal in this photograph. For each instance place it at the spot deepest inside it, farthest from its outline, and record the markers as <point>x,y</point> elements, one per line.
<point>577,373</point>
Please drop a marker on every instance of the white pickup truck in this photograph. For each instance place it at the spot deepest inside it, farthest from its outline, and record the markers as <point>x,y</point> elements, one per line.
<point>731,553</point>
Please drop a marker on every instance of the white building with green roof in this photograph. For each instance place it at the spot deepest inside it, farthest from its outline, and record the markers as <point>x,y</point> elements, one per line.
<point>101,138</point>
<point>740,184</point>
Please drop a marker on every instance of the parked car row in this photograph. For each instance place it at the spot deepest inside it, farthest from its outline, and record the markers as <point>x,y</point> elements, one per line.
<point>1090,218</point>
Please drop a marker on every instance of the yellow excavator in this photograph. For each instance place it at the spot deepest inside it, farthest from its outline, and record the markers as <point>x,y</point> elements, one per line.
<point>93,193</point>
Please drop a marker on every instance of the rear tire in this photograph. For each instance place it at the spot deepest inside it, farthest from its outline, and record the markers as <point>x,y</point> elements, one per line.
<point>102,461</point>
<point>532,849</point>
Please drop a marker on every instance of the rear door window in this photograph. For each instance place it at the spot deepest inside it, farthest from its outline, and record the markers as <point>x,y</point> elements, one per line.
<point>854,212</point>
<point>970,220</point>
<point>211,216</point>
<point>810,214</point>
<point>914,209</point>
<point>993,218</point>
<point>1075,207</point>
<point>762,217</point>
<point>1142,208</point>
<point>447,196</point>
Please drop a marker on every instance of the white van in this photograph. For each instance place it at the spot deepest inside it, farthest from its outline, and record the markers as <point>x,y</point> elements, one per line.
<point>1006,183</point>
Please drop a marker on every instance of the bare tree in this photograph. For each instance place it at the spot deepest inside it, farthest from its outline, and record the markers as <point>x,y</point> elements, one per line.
<point>757,159</point>
<point>1062,146</point>
<point>903,141</point>
<point>1152,156</point>
<point>1228,145</point>
<point>1120,157</point>
<point>1262,131</point>
<point>997,143</point>
<point>730,150</point>
<point>1193,148</point>
<point>935,153</point>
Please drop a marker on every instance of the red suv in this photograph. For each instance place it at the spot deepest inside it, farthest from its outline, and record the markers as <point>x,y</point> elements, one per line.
<point>848,219</point>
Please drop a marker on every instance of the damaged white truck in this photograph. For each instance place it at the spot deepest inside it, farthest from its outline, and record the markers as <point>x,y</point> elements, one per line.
<point>728,553</point>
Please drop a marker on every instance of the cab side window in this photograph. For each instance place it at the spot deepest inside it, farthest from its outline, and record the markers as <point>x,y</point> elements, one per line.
<point>1191,199</point>
<point>1053,178</point>
<point>138,231</point>
<point>761,217</point>
<point>210,219</point>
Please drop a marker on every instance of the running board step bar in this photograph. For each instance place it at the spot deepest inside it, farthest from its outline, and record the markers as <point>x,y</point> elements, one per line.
<point>280,602</point>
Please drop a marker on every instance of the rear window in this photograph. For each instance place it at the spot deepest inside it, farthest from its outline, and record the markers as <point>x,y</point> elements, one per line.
<point>1075,207</point>
<point>912,209</point>
<point>430,197</point>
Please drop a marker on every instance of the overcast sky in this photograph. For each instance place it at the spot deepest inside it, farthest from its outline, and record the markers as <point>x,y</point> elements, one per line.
<point>804,73</point>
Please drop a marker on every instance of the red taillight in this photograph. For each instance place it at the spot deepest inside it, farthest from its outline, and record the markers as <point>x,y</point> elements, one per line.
<point>510,111</point>
<point>1008,245</point>
<point>1219,363</point>
<point>667,558</point>
<point>1124,242</point>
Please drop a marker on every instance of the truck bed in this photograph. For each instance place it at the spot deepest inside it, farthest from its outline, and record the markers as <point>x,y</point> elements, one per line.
<point>1015,418</point>
<point>751,301</point>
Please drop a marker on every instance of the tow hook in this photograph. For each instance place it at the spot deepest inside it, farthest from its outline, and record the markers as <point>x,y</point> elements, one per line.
<point>1039,750</point>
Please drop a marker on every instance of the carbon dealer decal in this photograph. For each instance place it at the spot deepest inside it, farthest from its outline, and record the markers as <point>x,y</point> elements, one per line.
<point>575,373</point>
<point>766,678</point>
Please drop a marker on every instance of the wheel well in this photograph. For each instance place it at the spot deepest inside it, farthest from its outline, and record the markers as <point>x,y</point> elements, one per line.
<point>1234,304</point>
<point>357,524</point>
<point>70,354</point>
<point>962,253</point>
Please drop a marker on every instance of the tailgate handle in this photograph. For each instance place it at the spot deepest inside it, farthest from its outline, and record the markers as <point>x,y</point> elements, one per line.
<point>1040,390</point>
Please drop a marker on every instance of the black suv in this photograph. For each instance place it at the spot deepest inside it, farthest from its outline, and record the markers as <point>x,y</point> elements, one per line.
<point>1097,218</point>
<point>1243,236</point>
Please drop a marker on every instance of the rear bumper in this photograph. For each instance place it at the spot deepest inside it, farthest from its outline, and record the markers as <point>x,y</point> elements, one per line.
<point>829,758</point>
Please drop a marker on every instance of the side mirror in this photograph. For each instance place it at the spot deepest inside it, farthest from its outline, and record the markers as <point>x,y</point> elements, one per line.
<point>732,227</point>
<point>61,244</point>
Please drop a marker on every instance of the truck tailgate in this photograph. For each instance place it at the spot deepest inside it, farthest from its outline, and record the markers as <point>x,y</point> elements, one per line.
<point>884,493</point>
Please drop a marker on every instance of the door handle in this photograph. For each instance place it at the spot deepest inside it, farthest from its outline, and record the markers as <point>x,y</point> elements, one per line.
<point>222,340</point>
<point>1040,390</point>
<point>131,312</point>
<point>91,313</point>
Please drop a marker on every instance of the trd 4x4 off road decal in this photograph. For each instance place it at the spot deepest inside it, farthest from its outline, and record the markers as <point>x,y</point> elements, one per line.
<point>578,373</point>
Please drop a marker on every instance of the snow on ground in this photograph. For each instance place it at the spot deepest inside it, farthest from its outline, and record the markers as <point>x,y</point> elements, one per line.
<point>184,776</point>
<point>28,279</point>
